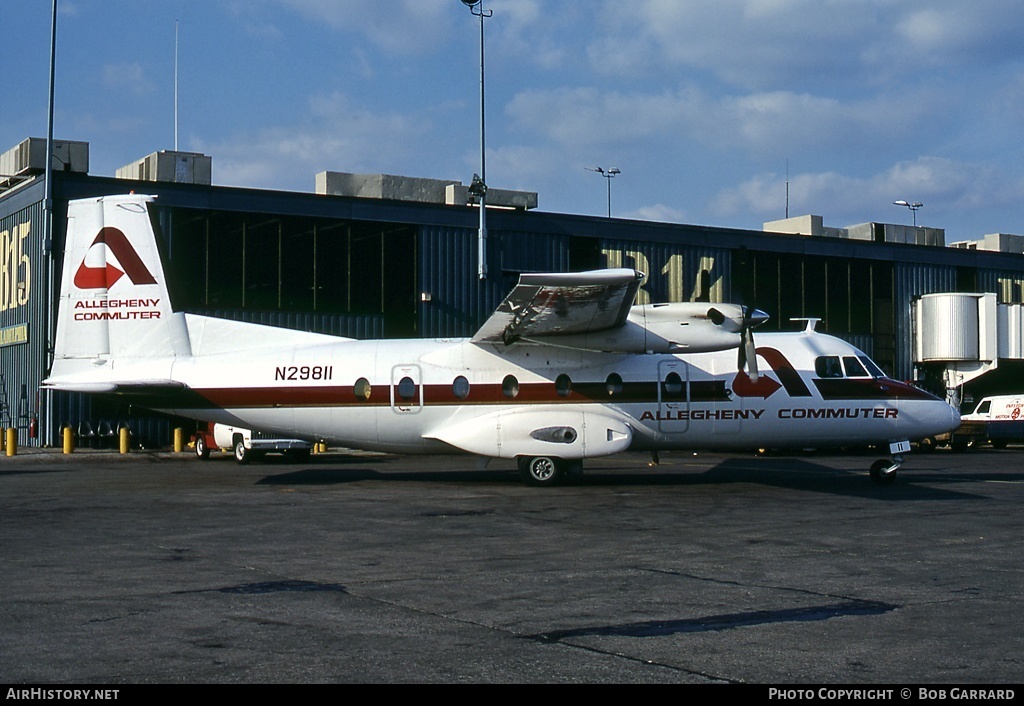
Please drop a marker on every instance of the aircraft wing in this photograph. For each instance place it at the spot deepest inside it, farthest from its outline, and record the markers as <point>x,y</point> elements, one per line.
<point>562,303</point>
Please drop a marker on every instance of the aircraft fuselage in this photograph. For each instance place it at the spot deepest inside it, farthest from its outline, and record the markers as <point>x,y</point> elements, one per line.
<point>393,395</point>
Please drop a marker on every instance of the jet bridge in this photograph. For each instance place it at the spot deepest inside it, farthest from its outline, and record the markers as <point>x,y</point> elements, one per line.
<point>969,335</point>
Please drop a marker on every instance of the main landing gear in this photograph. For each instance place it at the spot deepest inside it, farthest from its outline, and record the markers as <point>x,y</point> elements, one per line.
<point>883,472</point>
<point>547,470</point>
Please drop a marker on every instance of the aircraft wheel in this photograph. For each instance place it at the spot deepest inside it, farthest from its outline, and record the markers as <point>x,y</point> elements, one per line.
<point>541,470</point>
<point>242,454</point>
<point>878,473</point>
<point>202,450</point>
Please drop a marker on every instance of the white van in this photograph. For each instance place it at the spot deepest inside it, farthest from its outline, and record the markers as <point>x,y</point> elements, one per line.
<point>998,419</point>
<point>997,408</point>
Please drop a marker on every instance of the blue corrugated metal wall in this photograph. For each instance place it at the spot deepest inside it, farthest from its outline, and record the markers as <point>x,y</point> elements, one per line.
<point>459,301</point>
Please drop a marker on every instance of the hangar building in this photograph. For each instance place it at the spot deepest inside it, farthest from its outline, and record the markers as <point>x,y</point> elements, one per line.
<point>370,256</point>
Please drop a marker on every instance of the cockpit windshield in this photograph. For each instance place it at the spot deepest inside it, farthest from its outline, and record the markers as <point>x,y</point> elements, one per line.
<point>834,366</point>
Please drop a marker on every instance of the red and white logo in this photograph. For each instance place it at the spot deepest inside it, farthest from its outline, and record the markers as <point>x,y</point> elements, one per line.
<point>104,277</point>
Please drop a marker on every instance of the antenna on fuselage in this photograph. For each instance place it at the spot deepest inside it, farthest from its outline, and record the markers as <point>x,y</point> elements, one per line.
<point>811,322</point>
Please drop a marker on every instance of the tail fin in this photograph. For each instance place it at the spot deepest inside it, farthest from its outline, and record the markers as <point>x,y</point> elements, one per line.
<point>113,300</point>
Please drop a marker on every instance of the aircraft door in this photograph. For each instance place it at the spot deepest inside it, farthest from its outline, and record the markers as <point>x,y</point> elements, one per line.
<point>406,389</point>
<point>673,396</point>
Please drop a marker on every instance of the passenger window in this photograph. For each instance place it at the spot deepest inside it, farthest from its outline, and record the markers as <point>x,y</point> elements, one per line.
<point>406,388</point>
<point>510,386</point>
<point>673,385</point>
<point>827,366</point>
<point>614,384</point>
<point>563,385</point>
<point>984,407</point>
<point>460,387</point>
<point>853,367</point>
<point>362,389</point>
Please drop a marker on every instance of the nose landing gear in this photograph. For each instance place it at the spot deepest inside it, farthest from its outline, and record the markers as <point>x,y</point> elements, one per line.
<point>883,472</point>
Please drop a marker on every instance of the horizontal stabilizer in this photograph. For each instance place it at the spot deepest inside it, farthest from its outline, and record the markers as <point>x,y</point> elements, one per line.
<point>146,388</point>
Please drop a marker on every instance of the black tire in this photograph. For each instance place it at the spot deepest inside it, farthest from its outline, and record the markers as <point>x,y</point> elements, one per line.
<point>541,470</point>
<point>999,444</point>
<point>202,449</point>
<point>878,474</point>
<point>242,454</point>
<point>926,445</point>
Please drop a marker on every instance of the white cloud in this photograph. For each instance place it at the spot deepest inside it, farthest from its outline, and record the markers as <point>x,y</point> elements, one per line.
<point>127,76</point>
<point>773,44</point>
<point>337,135</point>
<point>658,212</point>
<point>774,124</point>
<point>401,26</point>
<point>946,187</point>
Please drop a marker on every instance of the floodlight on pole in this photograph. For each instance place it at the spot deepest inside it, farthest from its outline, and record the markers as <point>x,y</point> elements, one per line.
<point>478,188</point>
<point>608,174</point>
<point>913,206</point>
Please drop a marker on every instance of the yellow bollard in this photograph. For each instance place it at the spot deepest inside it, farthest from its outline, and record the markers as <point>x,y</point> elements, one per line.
<point>12,441</point>
<point>179,440</point>
<point>69,440</point>
<point>125,434</point>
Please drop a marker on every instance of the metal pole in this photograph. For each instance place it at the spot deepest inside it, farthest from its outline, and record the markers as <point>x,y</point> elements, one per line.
<point>482,240</point>
<point>608,174</point>
<point>50,264</point>
<point>479,186</point>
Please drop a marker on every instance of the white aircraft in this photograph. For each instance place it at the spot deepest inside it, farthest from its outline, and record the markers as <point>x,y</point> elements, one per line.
<point>565,369</point>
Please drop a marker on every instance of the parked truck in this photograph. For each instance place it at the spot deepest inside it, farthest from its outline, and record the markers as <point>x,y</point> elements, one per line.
<point>246,444</point>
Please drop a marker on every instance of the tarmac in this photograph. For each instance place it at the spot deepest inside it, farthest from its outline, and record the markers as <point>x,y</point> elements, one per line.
<point>154,567</point>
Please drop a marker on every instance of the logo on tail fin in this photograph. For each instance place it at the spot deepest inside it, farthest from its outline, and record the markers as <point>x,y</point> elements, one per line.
<point>105,277</point>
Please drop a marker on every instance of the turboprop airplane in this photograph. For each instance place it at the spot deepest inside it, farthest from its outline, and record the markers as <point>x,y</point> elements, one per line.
<point>565,369</point>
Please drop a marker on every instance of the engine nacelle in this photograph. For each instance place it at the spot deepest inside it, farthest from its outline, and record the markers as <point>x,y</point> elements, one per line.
<point>684,327</point>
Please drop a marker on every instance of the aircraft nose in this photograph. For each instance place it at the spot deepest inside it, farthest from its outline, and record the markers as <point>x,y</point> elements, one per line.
<point>954,417</point>
<point>943,419</point>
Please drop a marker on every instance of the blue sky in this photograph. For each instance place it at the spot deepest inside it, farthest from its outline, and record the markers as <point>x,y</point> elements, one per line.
<point>702,105</point>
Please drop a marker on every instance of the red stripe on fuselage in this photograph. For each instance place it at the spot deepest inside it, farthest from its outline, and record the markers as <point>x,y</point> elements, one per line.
<point>533,393</point>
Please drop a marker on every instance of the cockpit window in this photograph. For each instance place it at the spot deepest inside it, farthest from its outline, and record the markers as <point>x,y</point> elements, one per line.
<point>827,366</point>
<point>875,371</point>
<point>856,366</point>
<point>854,369</point>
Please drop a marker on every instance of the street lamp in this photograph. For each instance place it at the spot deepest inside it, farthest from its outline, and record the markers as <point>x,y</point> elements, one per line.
<point>608,174</point>
<point>912,206</point>
<point>478,188</point>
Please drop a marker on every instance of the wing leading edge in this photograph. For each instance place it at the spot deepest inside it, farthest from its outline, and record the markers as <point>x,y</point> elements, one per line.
<point>554,304</point>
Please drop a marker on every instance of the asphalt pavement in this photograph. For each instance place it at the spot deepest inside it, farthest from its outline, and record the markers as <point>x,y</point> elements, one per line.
<point>162,568</point>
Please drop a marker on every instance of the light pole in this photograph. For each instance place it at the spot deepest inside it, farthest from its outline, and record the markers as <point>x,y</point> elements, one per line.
<point>50,267</point>
<point>478,187</point>
<point>912,206</point>
<point>608,174</point>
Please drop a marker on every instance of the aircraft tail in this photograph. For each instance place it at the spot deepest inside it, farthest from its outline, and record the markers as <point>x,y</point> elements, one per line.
<point>114,301</point>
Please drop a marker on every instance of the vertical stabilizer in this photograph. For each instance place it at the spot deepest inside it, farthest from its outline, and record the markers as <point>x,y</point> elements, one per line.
<point>113,300</point>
